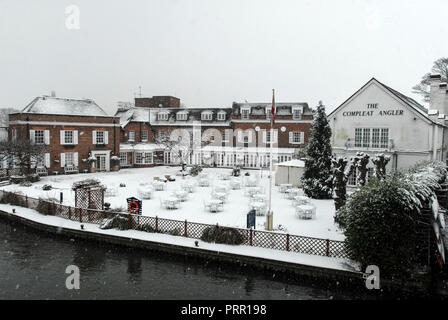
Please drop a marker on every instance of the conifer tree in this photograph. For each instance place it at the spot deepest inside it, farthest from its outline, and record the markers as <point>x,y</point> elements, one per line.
<point>317,177</point>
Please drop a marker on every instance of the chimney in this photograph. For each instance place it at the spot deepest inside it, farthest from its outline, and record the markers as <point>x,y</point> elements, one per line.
<point>435,102</point>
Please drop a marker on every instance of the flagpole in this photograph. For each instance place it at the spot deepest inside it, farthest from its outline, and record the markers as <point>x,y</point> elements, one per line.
<point>270,215</point>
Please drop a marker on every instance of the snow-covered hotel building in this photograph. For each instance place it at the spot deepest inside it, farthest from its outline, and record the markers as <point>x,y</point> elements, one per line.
<point>230,136</point>
<point>379,119</point>
<point>74,130</point>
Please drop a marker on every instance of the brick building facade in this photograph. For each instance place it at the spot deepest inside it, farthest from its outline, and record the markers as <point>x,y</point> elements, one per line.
<point>228,136</point>
<point>73,130</point>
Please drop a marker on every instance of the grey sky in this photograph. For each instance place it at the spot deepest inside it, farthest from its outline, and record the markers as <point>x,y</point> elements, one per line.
<point>210,53</point>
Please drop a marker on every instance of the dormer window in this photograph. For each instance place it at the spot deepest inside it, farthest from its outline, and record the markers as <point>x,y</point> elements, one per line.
<point>245,113</point>
<point>182,115</point>
<point>221,116</point>
<point>268,113</point>
<point>206,115</point>
<point>162,116</point>
<point>297,113</point>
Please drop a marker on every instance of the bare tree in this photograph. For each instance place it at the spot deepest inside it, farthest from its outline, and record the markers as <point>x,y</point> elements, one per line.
<point>22,154</point>
<point>440,66</point>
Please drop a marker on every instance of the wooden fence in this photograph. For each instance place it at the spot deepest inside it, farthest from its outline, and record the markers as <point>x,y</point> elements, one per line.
<point>256,238</point>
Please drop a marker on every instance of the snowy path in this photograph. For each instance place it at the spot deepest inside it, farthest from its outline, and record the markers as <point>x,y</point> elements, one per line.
<point>291,257</point>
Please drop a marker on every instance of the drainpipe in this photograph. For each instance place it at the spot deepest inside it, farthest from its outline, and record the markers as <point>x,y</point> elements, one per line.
<point>115,138</point>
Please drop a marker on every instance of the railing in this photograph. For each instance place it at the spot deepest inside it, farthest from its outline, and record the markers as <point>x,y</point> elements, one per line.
<point>351,144</point>
<point>256,238</point>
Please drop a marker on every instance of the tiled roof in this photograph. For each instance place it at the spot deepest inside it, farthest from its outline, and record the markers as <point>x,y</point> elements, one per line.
<point>64,106</point>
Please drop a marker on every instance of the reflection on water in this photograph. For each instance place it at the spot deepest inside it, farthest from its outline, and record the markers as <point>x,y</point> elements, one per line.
<point>33,266</point>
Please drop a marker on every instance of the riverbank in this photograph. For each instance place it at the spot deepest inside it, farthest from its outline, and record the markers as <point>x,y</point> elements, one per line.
<point>330,271</point>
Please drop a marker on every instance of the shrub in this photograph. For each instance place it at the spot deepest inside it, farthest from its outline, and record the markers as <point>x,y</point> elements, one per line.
<point>222,235</point>
<point>122,185</point>
<point>25,184</point>
<point>175,232</point>
<point>118,221</point>
<point>45,206</point>
<point>32,177</point>
<point>194,171</point>
<point>380,227</point>
<point>145,227</point>
<point>47,187</point>
<point>17,179</point>
<point>12,198</point>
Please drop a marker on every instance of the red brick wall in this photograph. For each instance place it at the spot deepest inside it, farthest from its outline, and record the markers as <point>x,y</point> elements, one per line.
<point>156,101</point>
<point>85,143</point>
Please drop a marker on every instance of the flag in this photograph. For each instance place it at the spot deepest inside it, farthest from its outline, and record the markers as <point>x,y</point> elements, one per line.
<point>273,108</point>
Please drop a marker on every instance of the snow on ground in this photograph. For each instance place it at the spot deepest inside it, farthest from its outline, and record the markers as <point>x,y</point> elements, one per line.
<point>272,254</point>
<point>235,209</point>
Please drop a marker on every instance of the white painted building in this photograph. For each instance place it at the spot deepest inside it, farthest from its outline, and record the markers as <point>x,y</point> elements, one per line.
<point>378,119</point>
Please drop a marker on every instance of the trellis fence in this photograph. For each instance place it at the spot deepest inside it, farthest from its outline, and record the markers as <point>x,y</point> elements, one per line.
<point>256,238</point>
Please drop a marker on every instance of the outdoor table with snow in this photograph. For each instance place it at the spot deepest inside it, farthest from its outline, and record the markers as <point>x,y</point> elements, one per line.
<point>306,211</point>
<point>170,203</point>
<point>158,185</point>
<point>145,192</point>
<point>213,205</point>
<point>182,195</point>
<point>284,187</point>
<point>259,207</point>
<point>300,200</point>
<point>293,192</point>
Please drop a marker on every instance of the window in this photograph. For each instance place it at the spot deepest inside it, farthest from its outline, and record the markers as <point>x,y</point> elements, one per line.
<point>143,157</point>
<point>375,138</point>
<point>181,116</point>
<point>296,114</point>
<point>100,137</point>
<point>221,116</point>
<point>296,137</point>
<point>131,135</point>
<point>123,158</point>
<point>68,137</point>
<point>39,137</point>
<point>162,135</point>
<point>358,137</point>
<point>245,113</point>
<point>268,113</point>
<point>352,178</point>
<point>144,135</point>
<point>162,116</point>
<point>225,135</point>
<point>371,137</point>
<point>366,137</point>
<point>268,136</point>
<point>384,138</point>
<point>69,159</point>
<point>40,161</point>
<point>206,116</point>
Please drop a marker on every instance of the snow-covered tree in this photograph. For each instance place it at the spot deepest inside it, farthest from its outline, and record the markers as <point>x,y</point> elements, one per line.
<point>340,173</point>
<point>380,161</point>
<point>360,162</point>
<point>316,179</point>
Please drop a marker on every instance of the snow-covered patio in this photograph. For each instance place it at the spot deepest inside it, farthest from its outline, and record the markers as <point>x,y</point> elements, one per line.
<point>234,209</point>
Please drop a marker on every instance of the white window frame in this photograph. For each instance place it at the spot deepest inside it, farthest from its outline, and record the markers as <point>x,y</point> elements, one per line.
<point>374,138</point>
<point>64,137</point>
<point>221,116</point>
<point>123,158</point>
<point>144,137</point>
<point>131,135</point>
<point>35,140</point>
<point>162,116</point>
<point>293,135</point>
<point>297,113</point>
<point>245,116</point>
<point>206,116</point>
<point>144,157</point>
<point>182,116</point>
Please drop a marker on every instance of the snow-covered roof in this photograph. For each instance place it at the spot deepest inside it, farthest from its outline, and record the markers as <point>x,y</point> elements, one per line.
<point>138,114</point>
<point>292,163</point>
<point>64,106</point>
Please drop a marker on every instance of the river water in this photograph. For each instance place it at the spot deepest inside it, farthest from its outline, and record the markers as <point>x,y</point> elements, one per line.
<point>33,264</point>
